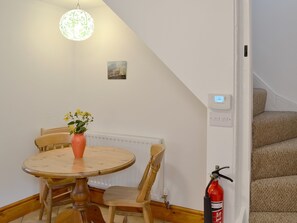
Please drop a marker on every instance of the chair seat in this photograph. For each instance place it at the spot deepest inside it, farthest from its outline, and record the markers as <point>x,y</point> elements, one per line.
<point>122,196</point>
<point>136,197</point>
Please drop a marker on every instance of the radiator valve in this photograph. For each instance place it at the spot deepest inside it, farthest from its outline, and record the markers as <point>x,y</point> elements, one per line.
<point>166,202</point>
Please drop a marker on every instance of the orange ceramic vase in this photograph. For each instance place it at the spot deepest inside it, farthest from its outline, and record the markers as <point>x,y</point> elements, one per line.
<point>78,143</point>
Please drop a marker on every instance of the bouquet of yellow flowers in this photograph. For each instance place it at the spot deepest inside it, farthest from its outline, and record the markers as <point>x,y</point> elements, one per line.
<point>78,121</point>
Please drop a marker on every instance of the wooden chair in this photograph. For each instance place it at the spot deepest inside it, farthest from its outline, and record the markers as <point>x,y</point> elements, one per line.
<point>44,131</point>
<point>54,192</point>
<point>138,197</point>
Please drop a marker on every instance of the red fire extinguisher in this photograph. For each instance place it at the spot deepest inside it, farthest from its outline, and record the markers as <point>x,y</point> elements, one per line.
<point>214,198</point>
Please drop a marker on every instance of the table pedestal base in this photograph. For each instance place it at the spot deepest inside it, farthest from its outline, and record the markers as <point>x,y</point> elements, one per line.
<point>91,215</point>
<point>82,211</point>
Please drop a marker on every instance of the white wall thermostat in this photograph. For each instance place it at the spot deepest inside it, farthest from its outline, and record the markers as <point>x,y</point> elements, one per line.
<point>219,101</point>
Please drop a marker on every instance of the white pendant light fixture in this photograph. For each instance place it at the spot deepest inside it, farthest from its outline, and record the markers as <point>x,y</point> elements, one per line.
<point>77,24</point>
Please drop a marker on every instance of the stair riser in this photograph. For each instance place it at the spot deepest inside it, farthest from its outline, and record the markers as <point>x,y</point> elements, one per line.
<point>274,163</point>
<point>259,101</point>
<point>274,195</point>
<point>273,127</point>
<point>268,217</point>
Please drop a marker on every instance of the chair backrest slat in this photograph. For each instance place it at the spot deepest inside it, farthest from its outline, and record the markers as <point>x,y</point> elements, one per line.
<point>150,173</point>
<point>44,131</point>
<point>53,141</point>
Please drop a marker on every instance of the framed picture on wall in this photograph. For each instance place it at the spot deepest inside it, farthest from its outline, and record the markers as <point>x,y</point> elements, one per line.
<point>117,69</point>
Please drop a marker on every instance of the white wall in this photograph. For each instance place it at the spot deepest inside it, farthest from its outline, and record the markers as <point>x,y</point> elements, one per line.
<point>151,102</point>
<point>44,76</point>
<point>274,45</point>
<point>35,65</point>
<point>196,40</point>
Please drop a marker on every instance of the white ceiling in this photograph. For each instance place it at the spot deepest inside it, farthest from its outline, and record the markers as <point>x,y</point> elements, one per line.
<point>70,4</point>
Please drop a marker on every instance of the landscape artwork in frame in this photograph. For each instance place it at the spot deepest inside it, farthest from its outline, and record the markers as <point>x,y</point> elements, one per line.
<point>117,69</point>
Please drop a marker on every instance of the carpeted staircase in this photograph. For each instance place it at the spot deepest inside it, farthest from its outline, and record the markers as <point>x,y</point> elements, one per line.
<point>274,164</point>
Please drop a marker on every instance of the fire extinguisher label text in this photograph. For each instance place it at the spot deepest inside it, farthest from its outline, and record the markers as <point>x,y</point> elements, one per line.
<point>217,205</point>
<point>217,211</point>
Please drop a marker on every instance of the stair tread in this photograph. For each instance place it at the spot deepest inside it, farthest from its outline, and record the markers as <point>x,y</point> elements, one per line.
<point>273,126</point>
<point>277,194</point>
<point>275,160</point>
<point>274,180</point>
<point>273,217</point>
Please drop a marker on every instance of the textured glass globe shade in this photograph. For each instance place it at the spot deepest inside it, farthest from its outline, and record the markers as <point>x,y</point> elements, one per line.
<point>76,25</point>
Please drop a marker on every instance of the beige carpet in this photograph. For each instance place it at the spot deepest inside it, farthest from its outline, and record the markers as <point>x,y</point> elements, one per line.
<point>274,164</point>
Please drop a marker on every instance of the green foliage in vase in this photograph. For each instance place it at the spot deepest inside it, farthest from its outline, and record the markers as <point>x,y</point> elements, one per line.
<point>78,121</point>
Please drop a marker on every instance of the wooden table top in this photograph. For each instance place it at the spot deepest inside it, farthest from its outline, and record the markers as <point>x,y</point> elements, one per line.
<point>60,163</point>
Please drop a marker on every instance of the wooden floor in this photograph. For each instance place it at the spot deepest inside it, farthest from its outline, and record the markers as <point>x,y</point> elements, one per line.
<point>33,217</point>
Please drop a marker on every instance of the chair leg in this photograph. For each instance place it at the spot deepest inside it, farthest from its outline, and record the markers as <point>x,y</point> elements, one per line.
<point>147,214</point>
<point>111,214</point>
<point>125,220</point>
<point>41,188</point>
<point>43,198</point>
<point>49,206</point>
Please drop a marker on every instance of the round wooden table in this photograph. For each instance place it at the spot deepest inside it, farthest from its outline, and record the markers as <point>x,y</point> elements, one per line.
<point>60,163</point>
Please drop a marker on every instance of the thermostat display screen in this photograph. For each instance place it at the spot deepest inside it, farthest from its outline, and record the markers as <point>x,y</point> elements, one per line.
<point>219,99</point>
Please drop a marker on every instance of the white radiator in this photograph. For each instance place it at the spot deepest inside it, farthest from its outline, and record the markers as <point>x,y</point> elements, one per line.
<point>131,176</point>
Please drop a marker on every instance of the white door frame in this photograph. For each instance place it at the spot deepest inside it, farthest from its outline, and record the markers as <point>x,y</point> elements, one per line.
<point>244,98</point>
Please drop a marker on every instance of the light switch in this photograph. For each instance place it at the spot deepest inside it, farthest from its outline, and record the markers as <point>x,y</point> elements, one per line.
<point>222,119</point>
